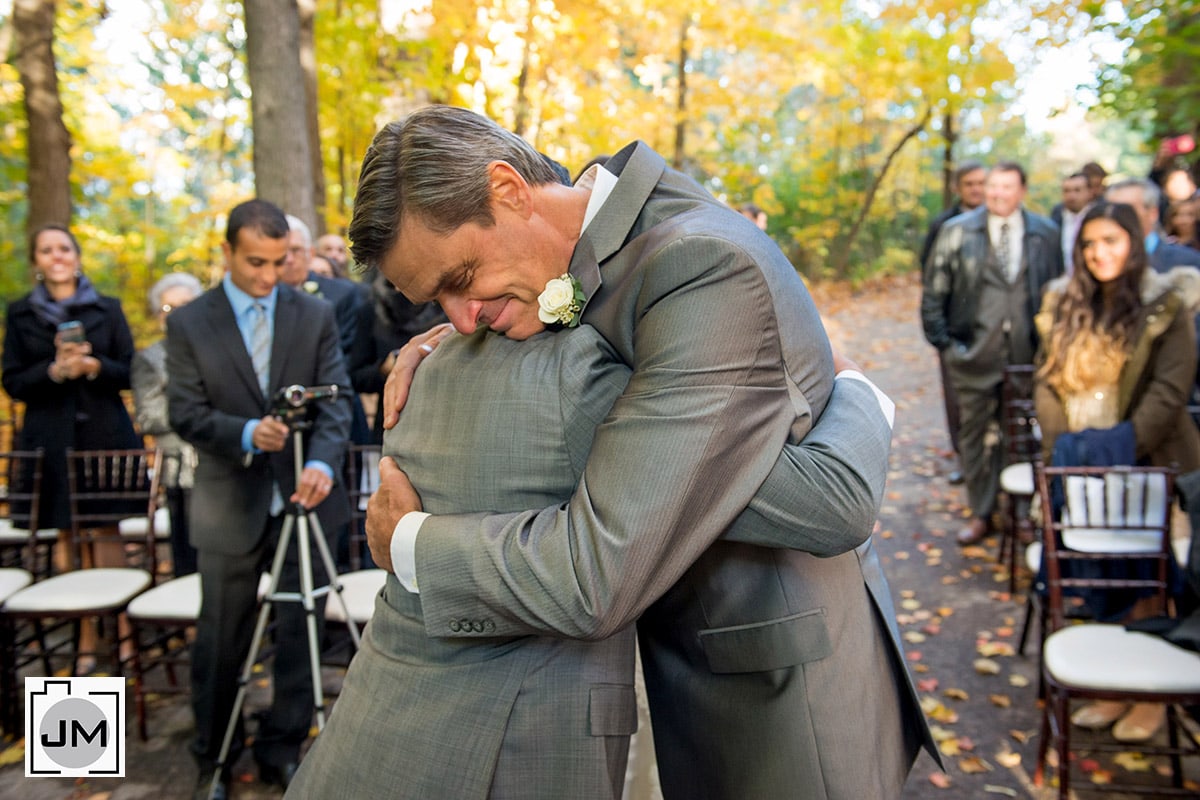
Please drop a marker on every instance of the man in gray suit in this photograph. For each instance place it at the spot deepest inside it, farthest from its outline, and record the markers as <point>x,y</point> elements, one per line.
<point>771,656</point>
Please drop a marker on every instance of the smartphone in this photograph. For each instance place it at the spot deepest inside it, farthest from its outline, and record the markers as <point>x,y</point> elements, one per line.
<point>71,331</point>
<point>1178,145</point>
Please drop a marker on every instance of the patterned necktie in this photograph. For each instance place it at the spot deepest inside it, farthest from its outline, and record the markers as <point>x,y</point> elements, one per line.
<point>260,346</point>
<point>1002,251</point>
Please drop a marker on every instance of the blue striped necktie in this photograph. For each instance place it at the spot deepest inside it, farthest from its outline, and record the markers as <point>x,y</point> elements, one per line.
<point>260,346</point>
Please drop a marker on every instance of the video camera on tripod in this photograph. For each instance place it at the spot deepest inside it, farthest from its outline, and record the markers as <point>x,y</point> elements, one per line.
<point>292,404</point>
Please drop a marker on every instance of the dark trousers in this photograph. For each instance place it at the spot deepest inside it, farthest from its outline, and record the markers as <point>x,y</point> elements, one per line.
<point>950,400</point>
<point>229,584</point>
<point>183,555</point>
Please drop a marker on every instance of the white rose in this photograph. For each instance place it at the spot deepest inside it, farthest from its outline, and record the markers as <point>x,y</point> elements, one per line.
<point>555,300</point>
<point>312,287</point>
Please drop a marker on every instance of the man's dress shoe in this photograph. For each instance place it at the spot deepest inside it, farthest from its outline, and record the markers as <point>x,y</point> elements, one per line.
<point>973,533</point>
<point>277,774</point>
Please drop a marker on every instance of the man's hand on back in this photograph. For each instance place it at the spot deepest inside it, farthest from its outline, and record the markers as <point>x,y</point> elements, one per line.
<point>395,391</point>
<point>394,498</point>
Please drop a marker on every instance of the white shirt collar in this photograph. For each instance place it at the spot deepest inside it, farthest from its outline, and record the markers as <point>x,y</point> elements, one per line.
<point>601,182</point>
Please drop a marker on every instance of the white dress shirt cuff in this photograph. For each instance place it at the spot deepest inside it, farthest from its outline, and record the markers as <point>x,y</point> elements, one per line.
<point>404,548</point>
<point>885,403</point>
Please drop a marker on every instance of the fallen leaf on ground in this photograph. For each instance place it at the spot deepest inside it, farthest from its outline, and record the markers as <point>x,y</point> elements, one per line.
<point>940,734</point>
<point>914,637</point>
<point>1004,790</point>
<point>1008,759</point>
<point>1020,736</point>
<point>957,694</point>
<point>949,747</point>
<point>1133,762</point>
<point>927,685</point>
<point>14,754</point>
<point>1020,681</point>
<point>966,743</point>
<point>1000,700</point>
<point>973,765</point>
<point>992,649</point>
<point>940,779</point>
<point>1101,777</point>
<point>985,666</point>
<point>910,604</point>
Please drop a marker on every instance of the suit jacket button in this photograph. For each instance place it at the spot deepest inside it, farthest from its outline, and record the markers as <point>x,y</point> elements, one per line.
<point>489,626</point>
<point>454,626</point>
<point>477,626</point>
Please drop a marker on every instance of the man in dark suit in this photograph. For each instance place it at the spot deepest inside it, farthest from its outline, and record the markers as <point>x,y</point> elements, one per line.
<point>228,354</point>
<point>982,288</point>
<point>1144,196</point>
<point>968,182</point>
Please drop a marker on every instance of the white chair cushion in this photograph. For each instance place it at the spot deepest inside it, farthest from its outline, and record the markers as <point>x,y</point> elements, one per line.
<point>13,580</point>
<point>11,535</point>
<point>1109,540</point>
<point>1017,479</point>
<point>358,590</point>
<point>177,599</point>
<point>135,527</point>
<point>1109,657</point>
<point>101,587</point>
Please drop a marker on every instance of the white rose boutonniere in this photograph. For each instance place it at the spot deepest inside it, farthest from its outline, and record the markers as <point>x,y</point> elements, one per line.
<point>312,287</point>
<point>562,301</point>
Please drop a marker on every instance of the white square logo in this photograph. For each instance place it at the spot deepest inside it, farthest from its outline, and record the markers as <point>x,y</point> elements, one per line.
<point>74,727</point>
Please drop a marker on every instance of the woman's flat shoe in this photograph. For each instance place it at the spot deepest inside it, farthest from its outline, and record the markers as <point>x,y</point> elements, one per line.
<point>1140,724</point>
<point>1099,715</point>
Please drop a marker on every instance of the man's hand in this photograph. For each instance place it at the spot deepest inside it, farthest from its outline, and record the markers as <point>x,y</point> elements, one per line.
<point>395,391</point>
<point>394,498</point>
<point>314,487</point>
<point>840,363</point>
<point>270,435</point>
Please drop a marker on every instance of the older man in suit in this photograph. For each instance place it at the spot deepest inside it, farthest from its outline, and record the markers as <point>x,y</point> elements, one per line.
<point>1144,195</point>
<point>982,287</point>
<point>771,671</point>
<point>228,353</point>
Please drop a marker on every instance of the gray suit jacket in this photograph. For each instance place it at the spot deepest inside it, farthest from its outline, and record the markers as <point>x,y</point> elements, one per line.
<point>490,424</point>
<point>771,672</point>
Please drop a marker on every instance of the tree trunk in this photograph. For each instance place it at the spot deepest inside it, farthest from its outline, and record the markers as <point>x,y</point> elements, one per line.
<point>308,62</point>
<point>842,259</point>
<point>951,136</point>
<point>49,142</point>
<point>681,98</point>
<point>283,163</point>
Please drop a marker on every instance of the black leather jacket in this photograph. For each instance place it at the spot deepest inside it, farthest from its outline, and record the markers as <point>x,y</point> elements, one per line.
<point>949,301</point>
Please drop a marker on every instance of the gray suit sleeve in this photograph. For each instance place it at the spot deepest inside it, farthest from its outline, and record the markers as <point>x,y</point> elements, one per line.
<point>823,494</point>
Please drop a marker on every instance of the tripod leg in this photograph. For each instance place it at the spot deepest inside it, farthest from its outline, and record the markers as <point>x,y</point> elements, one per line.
<point>310,614</point>
<point>260,628</point>
<point>334,584</point>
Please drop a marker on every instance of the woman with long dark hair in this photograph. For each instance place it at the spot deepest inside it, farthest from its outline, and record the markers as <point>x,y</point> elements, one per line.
<point>1119,346</point>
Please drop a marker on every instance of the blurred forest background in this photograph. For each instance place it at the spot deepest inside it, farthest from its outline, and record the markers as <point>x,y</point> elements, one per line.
<point>142,123</point>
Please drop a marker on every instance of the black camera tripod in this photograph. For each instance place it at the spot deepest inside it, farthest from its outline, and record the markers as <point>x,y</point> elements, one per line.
<point>291,405</point>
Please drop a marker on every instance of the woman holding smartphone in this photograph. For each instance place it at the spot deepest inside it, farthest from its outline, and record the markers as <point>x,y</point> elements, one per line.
<point>67,354</point>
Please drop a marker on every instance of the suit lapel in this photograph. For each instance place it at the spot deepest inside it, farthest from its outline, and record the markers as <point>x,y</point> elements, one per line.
<point>223,329</point>
<point>638,169</point>
<point>287,315</point>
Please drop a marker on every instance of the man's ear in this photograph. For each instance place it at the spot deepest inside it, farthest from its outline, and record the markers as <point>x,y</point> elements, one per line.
<point>227,249</point>
<point>509,189</point>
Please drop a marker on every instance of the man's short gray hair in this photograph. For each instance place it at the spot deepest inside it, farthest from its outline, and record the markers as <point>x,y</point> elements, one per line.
<point>299,225</point>
<point>173,280</point>
<point>1150,191</point>
<point>433,165</point>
